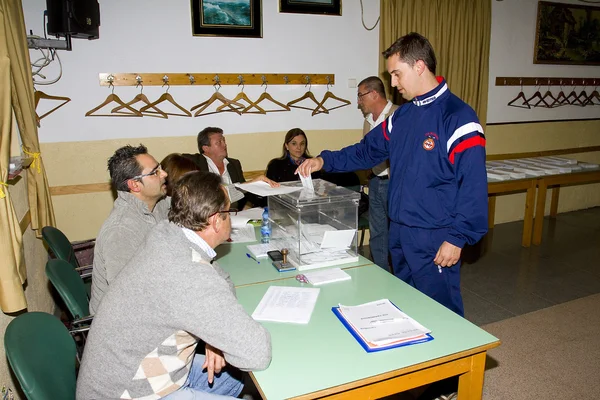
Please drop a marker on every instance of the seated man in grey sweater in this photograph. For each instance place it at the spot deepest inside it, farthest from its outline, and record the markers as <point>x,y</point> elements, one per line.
<point>140,205</point>
<point>168,297</point>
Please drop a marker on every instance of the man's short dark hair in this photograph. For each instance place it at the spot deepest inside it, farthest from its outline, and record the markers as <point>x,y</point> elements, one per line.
<point>412,48</point>
<point>196,197</point>
<point>204,137</point>
<point>123,165</point>
<point>375,84</point>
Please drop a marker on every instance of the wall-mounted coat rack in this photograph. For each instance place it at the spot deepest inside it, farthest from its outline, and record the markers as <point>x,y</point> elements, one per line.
<point>529,81</point>
<point>174,79</point>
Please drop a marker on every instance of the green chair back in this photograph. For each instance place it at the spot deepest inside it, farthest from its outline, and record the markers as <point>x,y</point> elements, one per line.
<point>69,286</point>
<point>42,354</point>
<point>60,245</point>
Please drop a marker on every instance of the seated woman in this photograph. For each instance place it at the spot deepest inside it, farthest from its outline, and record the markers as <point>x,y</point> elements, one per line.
<point>295,151</point>
<point>176,166</point>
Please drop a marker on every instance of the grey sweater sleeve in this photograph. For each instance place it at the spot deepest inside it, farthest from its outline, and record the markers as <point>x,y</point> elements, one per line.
<point>216,317</point>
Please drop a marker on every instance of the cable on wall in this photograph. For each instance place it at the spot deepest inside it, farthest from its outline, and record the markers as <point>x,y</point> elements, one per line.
<point>362,18</point>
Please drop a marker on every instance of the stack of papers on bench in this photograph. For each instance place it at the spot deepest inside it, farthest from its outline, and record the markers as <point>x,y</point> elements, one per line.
<point>380,325</point>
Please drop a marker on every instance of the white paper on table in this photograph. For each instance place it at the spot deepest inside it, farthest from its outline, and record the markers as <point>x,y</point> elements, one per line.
<point>287,304</point>
<point>338,239</point>
<point>328,275</point>
<point>264,189</point>
<point>244,234</point>
<point>241,219</point>
<point>307,182</point>
<point>381,322</point>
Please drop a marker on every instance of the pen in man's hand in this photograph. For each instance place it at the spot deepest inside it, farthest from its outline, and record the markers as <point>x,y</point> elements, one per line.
<point>249,256</point>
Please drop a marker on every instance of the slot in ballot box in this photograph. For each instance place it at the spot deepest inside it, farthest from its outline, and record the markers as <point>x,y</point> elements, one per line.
<point>319,228</point>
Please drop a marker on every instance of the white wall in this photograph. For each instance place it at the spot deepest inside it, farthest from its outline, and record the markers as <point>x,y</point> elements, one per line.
<point>155,36</point>
<point>511,55</point>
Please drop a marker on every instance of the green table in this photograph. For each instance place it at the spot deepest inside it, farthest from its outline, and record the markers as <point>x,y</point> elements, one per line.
<point>322,359</point>
<point>245,271</point>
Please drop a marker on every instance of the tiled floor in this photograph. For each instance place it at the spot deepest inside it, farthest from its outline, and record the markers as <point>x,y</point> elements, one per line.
<point>509,280</point>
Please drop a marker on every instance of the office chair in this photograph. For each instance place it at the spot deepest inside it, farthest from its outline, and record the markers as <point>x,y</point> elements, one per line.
<point>42,355</point>
<point>63,249</point>
<point>72,291</point>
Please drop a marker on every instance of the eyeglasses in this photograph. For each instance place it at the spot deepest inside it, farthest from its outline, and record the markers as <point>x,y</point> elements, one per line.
<point>156,171</point>
<point>360,95</point>
<point>231,211</point>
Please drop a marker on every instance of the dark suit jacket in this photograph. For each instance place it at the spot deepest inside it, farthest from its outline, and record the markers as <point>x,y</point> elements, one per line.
<point>237,176</point>
<point>234,167</point>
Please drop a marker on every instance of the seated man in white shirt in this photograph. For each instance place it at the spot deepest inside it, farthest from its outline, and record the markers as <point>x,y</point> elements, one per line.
<point>213,157</point>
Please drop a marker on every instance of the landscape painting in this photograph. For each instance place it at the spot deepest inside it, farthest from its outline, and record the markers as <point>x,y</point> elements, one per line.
<point>241,18</point>
<point>567,34</point>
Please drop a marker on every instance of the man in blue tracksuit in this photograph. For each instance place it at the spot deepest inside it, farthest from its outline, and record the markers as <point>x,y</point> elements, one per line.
<point>438,183</point>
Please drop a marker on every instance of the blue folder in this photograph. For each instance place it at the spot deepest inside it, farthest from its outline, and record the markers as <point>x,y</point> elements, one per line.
<point>359,339</point>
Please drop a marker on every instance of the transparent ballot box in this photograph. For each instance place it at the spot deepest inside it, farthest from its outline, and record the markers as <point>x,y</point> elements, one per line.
<point>319,228</point>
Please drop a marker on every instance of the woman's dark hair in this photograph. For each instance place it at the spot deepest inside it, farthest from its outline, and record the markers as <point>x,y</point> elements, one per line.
<point>289,136</point>
<point>176,165</point>
<point>196,197</point>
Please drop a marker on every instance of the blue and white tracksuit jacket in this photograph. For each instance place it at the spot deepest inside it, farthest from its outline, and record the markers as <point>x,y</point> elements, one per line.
<point>438,181</point>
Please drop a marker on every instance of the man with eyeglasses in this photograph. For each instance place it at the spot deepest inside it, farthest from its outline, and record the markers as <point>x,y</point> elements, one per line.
<point>169,298</point>
<point>140,205</point>
<point>376,108</point>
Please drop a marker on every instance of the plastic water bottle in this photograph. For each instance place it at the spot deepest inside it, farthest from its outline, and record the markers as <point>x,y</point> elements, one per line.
<point>265,227</point>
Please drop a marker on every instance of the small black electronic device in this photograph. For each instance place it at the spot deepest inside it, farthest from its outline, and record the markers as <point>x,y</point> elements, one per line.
<point>275,255</point>
<point>73,18</point>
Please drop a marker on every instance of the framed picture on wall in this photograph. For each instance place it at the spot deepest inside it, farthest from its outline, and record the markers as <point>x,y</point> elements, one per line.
<point>326,7</point>
<point>567,34</point>
<point>239,18</point>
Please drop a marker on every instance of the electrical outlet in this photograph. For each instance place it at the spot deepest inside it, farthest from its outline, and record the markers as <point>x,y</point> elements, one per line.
<point>352,83</point>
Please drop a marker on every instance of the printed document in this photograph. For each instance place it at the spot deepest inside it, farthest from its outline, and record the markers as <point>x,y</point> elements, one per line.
<point>264,189</point>
<point>381,323</point>
<point>287,304</point>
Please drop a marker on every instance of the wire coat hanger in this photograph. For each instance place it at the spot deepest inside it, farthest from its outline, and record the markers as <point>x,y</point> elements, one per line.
<point>520,96</point>
<point>166,96</point>
<point>308,95</point>
<point>330,95</point>
<point>112,97</point>
<point>141,97</point>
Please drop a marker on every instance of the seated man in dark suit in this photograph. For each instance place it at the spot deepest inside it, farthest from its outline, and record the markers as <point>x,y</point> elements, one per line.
<point>213,158</point>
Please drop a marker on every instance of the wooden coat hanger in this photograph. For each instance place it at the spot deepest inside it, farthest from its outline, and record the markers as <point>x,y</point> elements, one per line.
<point>166,96</point>
<point>330,95</point>
<point>538,96</point>
<point>582,99</point>
<point>548,98</point>
<point>141,97</point>
<point>266,96</point>
<point>520,96</point>
<point>38,95</point>
<point>241,96</point>
<point>573,98</point>
<point>561,99</point>
<point>112,97</point>
<point>233,106</point>
<point>594,96</point>
<point>308,95</point>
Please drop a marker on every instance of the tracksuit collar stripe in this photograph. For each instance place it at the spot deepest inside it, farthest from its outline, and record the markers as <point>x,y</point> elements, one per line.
<point>431,96</point>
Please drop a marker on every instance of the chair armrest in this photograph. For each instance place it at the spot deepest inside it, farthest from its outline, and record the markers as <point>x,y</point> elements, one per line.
<point>85,320</point>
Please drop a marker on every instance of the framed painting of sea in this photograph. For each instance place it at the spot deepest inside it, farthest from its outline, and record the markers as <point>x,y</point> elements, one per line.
<point>233,18</point>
